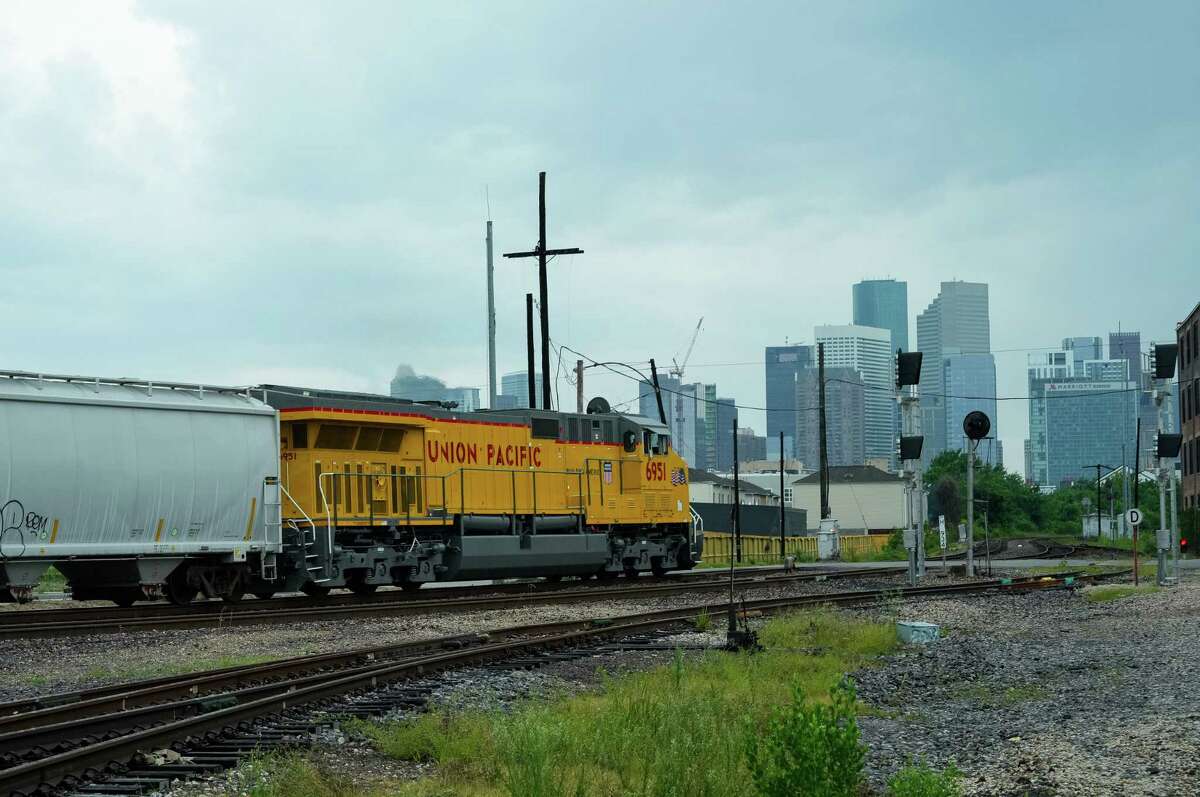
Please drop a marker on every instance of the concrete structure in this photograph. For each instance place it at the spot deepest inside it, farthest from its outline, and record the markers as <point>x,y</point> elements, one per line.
<point>955,322</point>
<point>1078,417</point>
<point>860,497</point>
<point>783,365</point>
<point>516,385</point>
<point>411,385</point>
<point>867,350</point>
<point>883,304</point>
<point>1187,335</point>
<point>844,414</point>
<point>970,384</point>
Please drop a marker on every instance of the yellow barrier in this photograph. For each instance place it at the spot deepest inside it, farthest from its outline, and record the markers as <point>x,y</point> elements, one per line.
<point>758,548</point>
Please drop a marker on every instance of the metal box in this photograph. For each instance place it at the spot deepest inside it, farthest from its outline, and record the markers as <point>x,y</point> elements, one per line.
<point>94,467</point>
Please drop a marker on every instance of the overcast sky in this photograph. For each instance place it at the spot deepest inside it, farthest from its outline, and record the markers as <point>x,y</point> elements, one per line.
<point>295,192</point>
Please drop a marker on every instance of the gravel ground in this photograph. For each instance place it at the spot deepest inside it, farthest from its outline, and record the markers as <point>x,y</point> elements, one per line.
<point>40,666</point>
<point>1045,694</point>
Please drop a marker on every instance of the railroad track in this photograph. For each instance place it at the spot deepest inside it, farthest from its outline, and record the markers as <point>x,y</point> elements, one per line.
<point>208,716</point>
<point>67,622</point>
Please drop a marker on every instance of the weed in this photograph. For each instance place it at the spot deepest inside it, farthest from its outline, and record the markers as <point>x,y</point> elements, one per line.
<point>808,748</point>
<point>919,780</point>
<point>290,775</point>
<point>1116,592</point>
<point>703,621</point>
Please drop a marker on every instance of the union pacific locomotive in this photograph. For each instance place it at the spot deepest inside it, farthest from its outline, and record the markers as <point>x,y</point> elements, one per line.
<point>138,490</point>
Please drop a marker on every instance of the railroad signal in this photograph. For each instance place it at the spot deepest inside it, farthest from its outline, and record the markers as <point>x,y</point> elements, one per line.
<point>908,368</point>
<point>976,425</point>
<point>910,446</point>
<point>1183,546</point>
<point>1162,359</point>
<point>1167,445</point>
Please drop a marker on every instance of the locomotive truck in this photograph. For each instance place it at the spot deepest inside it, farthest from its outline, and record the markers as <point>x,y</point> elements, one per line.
<point>139,490</point>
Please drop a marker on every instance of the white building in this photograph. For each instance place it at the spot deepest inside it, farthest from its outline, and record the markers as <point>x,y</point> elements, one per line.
<point>709,488</point>
<point>860,497</point>
<point>868,351</point>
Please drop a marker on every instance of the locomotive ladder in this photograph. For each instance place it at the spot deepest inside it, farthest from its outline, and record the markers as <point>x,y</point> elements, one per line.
<point>313,560</point>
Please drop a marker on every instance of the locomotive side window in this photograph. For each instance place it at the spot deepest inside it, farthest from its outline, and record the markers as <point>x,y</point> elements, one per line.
<point>390,441</point>
<point>299,435</point>
<point>332,435</point>
<point>368,439</point>
<point>646,441</point>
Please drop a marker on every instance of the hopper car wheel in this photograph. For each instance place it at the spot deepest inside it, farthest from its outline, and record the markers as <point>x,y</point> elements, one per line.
<point>314,590</point>
<point>178,591</point>
<point>234,595</point>
<point>606,575</point>
<point>125,598</point>
<point>265,595</point>
<point>552,579</point>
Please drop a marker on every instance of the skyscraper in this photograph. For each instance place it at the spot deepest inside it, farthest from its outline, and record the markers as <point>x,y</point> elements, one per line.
<point>783,364</point>
<point>516,384</point>
<point>883,304</point>
<point>970,382</point>
<point>866,350</point>
<point>723,434</point>
<point>955,322</point>
<point>844,412</point>
<point>408,384</point>
<point>1078,417</point>
<point>1084,349</point>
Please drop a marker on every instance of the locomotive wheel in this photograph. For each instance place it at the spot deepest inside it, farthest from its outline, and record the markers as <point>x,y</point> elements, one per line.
<point>314,590</point>
<point>606,575</point>
<point>411,586</point>
<point>265,595</point>
<point>359,588</point>
<point>631,572</point>
<point>657,568</point>
<point>552,579</point>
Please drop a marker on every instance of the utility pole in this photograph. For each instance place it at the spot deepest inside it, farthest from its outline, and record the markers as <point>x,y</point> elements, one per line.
<point>970,508</point>
<point>541,253</point>
<point>824,464</point>
<point>491,311</point>
<point>737,498</point>
<point>908,377</point>
<point>782,503</point>
<point>579,386</point>
<point>529,350</point>
<point>1099,509</point>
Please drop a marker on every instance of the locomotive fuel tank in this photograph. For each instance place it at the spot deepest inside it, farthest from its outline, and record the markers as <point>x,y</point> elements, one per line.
<point>118,482</point>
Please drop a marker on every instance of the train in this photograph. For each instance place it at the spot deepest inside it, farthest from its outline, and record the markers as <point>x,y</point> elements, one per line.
<point>140,490</point>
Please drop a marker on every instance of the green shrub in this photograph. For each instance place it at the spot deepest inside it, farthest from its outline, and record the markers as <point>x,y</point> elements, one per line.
<point>808,748</point>
<point>918,780</point>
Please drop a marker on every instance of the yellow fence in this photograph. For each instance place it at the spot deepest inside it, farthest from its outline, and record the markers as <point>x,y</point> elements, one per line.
<point>759,548</point>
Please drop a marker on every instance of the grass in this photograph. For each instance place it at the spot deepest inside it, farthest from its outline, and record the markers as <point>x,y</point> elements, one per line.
<point>669,731</point>
<point>990,696</point>
<point>919,780</point>
<point>1117,591</point>
<point>51,581</point>
<point>138,672</point>
<point>290,775</point>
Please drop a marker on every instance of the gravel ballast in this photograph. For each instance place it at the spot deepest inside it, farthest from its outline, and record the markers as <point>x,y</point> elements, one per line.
<point>1045,694</point>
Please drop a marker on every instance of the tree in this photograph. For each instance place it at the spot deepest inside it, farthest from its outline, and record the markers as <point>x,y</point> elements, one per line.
<point>949,499</point>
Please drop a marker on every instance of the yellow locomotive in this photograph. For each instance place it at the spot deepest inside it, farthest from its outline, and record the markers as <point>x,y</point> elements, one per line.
<point>377,490</point>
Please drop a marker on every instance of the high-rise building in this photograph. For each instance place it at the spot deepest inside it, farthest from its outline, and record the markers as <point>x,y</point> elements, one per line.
<point>516,384</point>
<point>783,364</point>
<point>970,383</point>
<point>1187,336</point>
<point>408,384</point>
<point>692,416</point>
<point>723,434</point>
<point>648,401</point>
<point>844,418</point>
<point>1078,417</point>
<point>955,322</point>
<point>1084,349</point>
<point>883,304</point>
<point>867,350</point>
<point>751,447</point>
<point>1127,346</point>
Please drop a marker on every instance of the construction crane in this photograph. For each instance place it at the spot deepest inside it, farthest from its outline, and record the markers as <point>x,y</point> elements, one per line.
<point>677,369</point>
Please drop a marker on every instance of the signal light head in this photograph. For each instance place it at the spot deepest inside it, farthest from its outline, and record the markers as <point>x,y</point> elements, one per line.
<point>1167,445</point>
<point>977,425</point>
<point>1163,358</point>
<point>908,368</point>
<point>910,447</point>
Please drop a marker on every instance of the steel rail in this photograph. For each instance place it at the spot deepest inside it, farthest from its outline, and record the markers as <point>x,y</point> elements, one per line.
<point>45,623</point>
<point>319,686</point>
